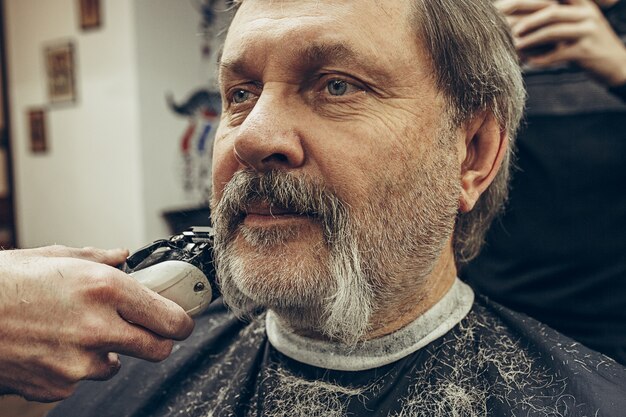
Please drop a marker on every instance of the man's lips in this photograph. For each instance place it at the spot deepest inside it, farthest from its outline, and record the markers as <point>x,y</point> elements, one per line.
<point>269,211</point>
<point>264,214</point>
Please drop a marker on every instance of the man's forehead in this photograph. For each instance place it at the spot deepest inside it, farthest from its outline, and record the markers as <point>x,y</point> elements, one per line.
<point>376,18</point>
<point>319,29</point>
<point>286,8</point>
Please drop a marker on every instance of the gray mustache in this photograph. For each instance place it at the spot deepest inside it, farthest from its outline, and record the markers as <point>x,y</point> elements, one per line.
<point>280,190</point>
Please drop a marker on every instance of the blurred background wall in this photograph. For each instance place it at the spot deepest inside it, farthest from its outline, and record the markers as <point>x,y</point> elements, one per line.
<point>113,163</point>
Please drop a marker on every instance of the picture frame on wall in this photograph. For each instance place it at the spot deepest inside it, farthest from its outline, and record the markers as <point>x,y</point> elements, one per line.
<point>90,14</point>
<point>37,130</point>
<point>60,71</point>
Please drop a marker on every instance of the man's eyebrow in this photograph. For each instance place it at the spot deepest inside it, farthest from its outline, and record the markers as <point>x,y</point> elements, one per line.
<point>311,58</point>
<point>321,54</point>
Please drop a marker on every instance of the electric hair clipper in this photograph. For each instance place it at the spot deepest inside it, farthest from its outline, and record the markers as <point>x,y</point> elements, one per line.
<point>179,268</point>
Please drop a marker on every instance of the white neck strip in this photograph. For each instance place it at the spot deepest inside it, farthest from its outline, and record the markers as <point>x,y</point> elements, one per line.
<point>431,325</point>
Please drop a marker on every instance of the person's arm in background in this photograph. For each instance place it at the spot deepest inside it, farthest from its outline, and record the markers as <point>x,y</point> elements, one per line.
<point>578,31</point>
<point>66,313</point>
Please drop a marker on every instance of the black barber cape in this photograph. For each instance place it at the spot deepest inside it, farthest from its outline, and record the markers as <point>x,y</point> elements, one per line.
<point>463,357</point>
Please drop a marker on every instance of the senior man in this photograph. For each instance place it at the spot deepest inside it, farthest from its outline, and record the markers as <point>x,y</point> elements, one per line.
<point>357,162</point>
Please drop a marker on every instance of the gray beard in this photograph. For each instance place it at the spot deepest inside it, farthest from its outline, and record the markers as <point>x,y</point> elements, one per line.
<point>339,308</point>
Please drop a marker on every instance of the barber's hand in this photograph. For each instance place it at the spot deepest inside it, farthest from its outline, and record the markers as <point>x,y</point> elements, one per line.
<point>66,313</point>
<point>515,10</point>
<point>575,30</point>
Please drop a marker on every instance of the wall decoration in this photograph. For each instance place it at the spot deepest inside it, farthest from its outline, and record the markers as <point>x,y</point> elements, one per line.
<point>89,14</point>
<point>202,109</point>
<point>37,130</point>
<point>59,60</point>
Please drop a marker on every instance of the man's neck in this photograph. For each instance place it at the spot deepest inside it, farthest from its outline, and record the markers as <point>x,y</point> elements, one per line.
<point>428,327</point>
<point>416,299</point>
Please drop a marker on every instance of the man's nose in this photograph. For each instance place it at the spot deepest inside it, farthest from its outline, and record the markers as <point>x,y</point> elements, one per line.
<point>269,138</point>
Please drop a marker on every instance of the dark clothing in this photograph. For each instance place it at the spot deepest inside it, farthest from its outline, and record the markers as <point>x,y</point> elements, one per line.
<point>494,362</point>
<point>558,253</point>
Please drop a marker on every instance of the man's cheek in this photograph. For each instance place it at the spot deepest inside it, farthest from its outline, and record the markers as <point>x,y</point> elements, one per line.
<point>224,167</point>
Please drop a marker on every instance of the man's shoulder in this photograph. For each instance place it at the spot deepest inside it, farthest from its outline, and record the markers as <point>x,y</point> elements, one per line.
<point>526,365</point>
<point>541,341</point>
<point>498,320</point>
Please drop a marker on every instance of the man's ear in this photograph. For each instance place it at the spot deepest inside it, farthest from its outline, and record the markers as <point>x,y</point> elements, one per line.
<point>481,155</point>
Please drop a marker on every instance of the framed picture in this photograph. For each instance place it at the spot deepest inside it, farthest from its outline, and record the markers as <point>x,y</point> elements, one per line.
<point>60,73</point>
<point>89,14</point>
<point>37,130</point>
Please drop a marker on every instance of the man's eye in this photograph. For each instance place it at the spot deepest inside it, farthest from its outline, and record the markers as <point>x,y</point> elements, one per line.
<point>337,87</point>
<point>241,96</point>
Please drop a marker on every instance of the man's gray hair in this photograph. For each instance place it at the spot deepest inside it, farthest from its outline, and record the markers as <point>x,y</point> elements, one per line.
<point>477,69</point>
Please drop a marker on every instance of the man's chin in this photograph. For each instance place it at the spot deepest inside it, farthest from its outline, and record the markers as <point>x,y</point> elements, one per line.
<point>301,311</point>
<point>286,292</point>
<point>255,238</point>
<point>289,273</point>
<point>288,239</point>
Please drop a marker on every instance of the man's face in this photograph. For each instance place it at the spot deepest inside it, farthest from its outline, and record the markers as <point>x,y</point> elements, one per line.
<point>335,172</point>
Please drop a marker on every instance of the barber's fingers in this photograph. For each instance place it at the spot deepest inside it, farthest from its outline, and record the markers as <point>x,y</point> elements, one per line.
<point>111,257</point>
<point>580,2</point>
<point>132,340</point>
<point>561,54</point>
<point>43,390</point>
<point>112,292</point>
<point>99,334</point>
<point>87,365</point>
<point>512,7</point>
<point>146,308</point>
<point>57,377</point>
<point>566,32</point>
<point>105,366</point>
<point>127,298</point>
<point>548,17</point>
